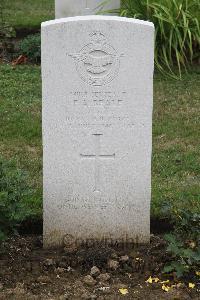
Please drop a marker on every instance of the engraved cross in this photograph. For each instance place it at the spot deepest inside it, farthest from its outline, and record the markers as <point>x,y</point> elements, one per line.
<point>97,157</point>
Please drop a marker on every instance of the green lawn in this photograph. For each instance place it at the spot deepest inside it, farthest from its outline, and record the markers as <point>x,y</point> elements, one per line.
<point>27,13</point>
<point>176,130</point>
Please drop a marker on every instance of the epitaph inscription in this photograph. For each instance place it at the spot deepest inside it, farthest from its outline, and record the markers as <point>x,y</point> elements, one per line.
<point>97,63</point>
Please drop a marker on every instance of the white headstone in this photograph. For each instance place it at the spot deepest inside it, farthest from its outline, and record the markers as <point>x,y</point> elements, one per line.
<point>97,128</point>
<point>70,8</point>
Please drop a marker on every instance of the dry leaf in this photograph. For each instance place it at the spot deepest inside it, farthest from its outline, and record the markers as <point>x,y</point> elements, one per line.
<point>166,281</point>
<point>123,291</point>
<point>149,280</point>
<point>152,279</point>
<point>165,288</point>
<point>20,60</point>
<point>197,273</point>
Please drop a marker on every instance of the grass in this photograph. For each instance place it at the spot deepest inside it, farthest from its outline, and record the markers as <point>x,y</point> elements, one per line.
<point>20,123</point>
<point>176,127</point>
<point>176,151</point>
<point>27,13</point>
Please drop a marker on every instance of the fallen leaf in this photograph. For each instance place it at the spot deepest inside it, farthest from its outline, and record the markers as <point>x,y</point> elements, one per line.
<point>165,288</point>
<point>191,285</point>
<point>192,244</point>
<point>20,60</point>
<point>123,291</point>
<point>152,279</point>
<point>197,273</point>
<point>166,281</point>
<point>149,280</point>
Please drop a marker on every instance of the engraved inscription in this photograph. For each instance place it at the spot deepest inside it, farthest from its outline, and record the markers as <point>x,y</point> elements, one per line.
<point>97,63</point>
<point>97,98</point>
<point>77,202</point>
<point>97,157</point>
<point>106,121</point>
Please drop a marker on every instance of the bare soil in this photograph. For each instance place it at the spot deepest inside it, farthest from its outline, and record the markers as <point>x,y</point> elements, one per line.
<point>27,271</point>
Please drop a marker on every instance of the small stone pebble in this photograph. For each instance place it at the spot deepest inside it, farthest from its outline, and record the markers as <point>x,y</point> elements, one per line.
<point>103,277</point>
<point>113,264</point>
<point>94,271</point>
<point>49,262</point>
<point>89,280</point>
<point>124,258</point>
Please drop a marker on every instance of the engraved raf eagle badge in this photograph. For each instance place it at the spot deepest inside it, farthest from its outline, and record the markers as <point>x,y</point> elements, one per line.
<point>97,63</point>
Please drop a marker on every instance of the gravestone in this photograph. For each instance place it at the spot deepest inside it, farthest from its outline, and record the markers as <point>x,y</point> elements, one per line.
<point>69,8</point>
<point>97,128</point>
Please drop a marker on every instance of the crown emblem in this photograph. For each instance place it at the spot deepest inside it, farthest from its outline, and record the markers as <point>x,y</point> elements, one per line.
<point>97,38</point>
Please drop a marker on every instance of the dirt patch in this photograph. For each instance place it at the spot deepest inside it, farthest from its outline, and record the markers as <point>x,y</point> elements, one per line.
<point>27,271</point>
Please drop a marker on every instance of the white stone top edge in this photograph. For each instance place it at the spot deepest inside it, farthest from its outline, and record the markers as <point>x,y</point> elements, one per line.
<point>96,17</point>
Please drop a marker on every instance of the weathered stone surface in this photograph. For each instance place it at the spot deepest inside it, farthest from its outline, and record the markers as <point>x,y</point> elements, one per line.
<point>97,129</point>
<point>70,8</point>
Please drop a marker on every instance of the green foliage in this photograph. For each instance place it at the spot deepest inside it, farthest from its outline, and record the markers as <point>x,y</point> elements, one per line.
<point>31,47</point>
<point>28,13</point>
<point>177,30</point>
<point>6,31</point>
<point>184,243</point>
<point>14,191</point>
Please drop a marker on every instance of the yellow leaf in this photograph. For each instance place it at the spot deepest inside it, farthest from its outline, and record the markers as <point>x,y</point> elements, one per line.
<point>197,273</point>
<point>123,291</point>
<point>166,281</point>
<point>191,285</point>
<point>153,279</point>
<point>165,288</point>
<point>192,244</point>
<point>149,280</point>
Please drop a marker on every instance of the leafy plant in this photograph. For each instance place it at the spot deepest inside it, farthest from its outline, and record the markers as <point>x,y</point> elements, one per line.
<point>14,189</point>
<point>31,47</point>
<point>177,30</point>
<point>184,244</point>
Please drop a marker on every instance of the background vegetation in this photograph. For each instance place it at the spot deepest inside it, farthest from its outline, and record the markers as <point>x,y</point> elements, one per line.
<point>27,13</point>
<point>177,30</point>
